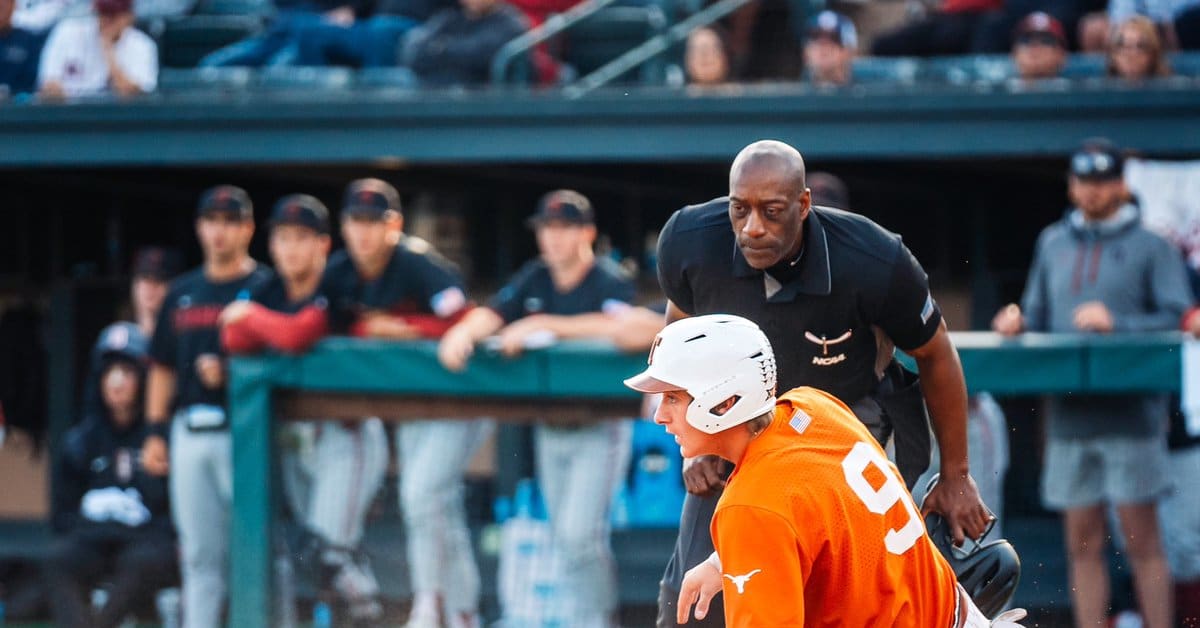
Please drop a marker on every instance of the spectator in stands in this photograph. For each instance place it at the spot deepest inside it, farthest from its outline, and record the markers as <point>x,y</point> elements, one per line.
<point>88,56</point>
<point>1178,21</point>
<point>566,293</point>
<point>279,43</point>
<point>371,42</point>
<point>1039,47</point>
<point>948,30</point>
<point>828,190</point>
<point>1099,271</point>
<point>456,46</point>
<point>111,515</point>
<point>1135,51</point>
<point>829,50</point>
<point>19,51</point>
<point>706,59</point>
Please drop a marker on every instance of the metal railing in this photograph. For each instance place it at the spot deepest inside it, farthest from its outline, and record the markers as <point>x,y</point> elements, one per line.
<point>553,25</point>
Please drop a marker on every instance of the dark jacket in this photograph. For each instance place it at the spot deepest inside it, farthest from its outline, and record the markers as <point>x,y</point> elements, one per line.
<point>454,49</point>
<point>99,464</point>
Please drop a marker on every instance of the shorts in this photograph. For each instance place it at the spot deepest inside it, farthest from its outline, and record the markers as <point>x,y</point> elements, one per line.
<point>1082,472</point>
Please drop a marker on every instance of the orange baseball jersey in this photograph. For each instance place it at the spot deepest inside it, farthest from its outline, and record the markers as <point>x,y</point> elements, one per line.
<point>816,528</point>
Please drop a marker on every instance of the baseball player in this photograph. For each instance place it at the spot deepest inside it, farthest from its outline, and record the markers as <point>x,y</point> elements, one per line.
<point>396,286</point>
<point>332,470</point>
<point>185,399</point>
<point>565,293</point>
<point>815,527</point>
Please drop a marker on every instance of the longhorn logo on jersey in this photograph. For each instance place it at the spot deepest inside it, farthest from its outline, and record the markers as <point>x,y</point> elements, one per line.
<point>740,581</point>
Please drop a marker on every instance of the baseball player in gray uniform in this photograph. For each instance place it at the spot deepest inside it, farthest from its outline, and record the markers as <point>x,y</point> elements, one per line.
<point>185,400</point>
<point>331,470</point>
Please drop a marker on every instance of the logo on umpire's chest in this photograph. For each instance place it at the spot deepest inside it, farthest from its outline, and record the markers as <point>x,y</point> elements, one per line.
<point>825,359</point>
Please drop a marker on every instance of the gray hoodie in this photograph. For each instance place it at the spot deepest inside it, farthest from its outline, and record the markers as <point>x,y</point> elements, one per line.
<point>1137,275</point>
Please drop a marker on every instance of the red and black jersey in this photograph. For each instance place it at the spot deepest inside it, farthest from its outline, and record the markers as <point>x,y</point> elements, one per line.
<point>187,328</point>
<point>417,285</point>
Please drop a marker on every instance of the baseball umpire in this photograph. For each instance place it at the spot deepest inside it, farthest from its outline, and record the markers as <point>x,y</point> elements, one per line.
<point>835,293</point>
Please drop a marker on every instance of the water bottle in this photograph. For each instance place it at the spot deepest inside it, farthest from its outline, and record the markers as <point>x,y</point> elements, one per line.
<point>322,615</point>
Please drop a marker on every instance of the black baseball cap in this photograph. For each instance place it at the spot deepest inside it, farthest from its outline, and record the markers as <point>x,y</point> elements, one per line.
<point>566,206</point>
<point>370,198</point>
<point>302,210</point>
<point>1098,159</point>
<point>156,262</point>
<point>225,199</point>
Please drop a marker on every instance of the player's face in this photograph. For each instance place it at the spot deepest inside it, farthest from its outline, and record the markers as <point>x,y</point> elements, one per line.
<point>224,237</point>
<point>562,243</point>
<point>147,294</point>
<point>1097,199</point>
<point>119,387</point>
<point>672,414</point>
<point>366,239</point>
<point>767,213</point>
<point>298,252</point>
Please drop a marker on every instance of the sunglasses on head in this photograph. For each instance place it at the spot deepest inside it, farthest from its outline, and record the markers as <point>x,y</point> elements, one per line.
<point>1039,38</point>
<point>1091,163</point>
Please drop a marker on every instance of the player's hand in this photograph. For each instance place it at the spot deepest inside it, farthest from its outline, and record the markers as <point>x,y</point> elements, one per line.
<point>702,475</point>
<point>455,349</point>
<point>1093,316</point>
<point>700,585</point>
<point>154,455</point>
<point>513,336</point>
<point>957,499</point>
<point>235,312</point>
<point>211,370</point>
<point>381,325</point>
<point>1009,321</point>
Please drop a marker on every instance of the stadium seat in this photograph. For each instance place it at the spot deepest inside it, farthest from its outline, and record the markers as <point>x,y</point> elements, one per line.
<point>1185,63</point>
<point>885,69</point>
<point>609,33</point>
<point>186,40</point>
<point>204,79</point>
<point>1081,66</point>
<point>259,8</point>
<point>374,78</point>
<point>305,78</point>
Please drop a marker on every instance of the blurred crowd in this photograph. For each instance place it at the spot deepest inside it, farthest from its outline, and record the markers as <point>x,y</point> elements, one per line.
<point>63,49</point>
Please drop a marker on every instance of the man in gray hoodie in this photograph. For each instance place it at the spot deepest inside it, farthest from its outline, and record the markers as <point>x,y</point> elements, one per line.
<point>1099,271</point>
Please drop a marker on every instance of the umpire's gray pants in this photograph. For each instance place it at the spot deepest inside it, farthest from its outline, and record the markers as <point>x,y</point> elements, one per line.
<point>579,470</point>
<point>201,484</point>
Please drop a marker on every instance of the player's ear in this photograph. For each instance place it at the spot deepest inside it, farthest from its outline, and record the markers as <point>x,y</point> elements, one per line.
<point>326,244</point>
<point>805,203</point>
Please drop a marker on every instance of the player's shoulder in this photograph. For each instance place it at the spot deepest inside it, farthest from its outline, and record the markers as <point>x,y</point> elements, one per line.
<point>412,250</point>
<point>187,283</point>
<point>531,270</point>
<point>848,232</point>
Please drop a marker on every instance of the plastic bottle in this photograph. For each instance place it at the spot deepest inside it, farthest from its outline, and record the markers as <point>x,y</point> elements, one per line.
<point>322,615</point>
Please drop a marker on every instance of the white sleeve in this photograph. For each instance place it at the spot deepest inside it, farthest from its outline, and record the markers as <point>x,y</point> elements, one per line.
<point>139,60</point>
<point>50,67</point>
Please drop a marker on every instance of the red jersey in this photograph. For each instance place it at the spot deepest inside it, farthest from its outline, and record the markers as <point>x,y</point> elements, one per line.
<point>816,528</point>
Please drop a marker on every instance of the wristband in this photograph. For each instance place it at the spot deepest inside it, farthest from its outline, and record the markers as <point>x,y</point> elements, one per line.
<point>161,429</point>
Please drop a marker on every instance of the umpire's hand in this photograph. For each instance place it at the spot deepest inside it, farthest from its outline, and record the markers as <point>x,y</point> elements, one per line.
<point>700,585</point>
<point>702,475</point>
<point>956,498</point>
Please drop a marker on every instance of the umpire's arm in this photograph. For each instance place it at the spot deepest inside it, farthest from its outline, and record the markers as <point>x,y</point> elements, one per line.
<point>956,497</point>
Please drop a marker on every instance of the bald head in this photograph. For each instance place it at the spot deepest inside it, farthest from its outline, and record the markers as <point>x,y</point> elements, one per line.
<point>772,156</point>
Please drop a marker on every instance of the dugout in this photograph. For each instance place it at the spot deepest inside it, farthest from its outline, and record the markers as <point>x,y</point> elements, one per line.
<point>968,176</point>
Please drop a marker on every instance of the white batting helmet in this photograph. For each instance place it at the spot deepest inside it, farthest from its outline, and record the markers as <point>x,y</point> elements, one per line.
<point>714,358</point>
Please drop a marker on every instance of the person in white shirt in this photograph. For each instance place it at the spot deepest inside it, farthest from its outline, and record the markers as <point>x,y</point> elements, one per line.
<point>98,55</point>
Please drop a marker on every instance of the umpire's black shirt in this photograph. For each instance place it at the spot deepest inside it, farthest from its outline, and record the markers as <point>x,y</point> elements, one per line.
<point>821,312</point>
